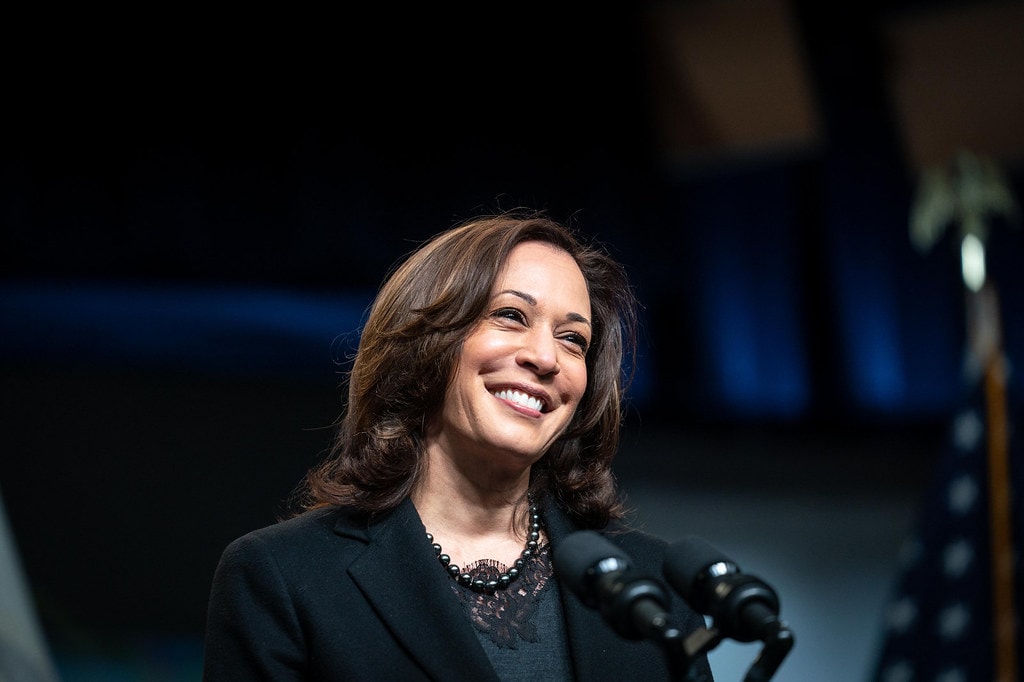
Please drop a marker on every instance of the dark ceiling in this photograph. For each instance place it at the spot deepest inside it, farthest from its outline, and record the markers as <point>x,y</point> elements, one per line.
<point>309,151</point>
<point>313,149</point>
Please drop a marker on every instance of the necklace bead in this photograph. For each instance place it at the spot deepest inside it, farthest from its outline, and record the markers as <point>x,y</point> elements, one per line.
<point>504,579</point>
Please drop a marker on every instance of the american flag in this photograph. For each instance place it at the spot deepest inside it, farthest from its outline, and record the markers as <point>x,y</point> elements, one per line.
<point>938,625</point>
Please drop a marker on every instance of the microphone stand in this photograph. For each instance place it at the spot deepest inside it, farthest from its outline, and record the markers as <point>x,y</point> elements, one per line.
<point>669,637</point>
<point>635,609</point>
<point>681,652</point>
<point>777,644</point>
<point>699,642</point>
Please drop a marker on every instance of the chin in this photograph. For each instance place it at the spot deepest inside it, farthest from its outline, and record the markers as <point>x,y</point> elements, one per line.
<point>514,448</point>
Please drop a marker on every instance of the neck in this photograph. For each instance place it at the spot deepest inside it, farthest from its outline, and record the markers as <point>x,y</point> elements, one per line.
<point>449,495</point>
<point>487,574</point>
<point>459,513</point>
<point>473,526</point>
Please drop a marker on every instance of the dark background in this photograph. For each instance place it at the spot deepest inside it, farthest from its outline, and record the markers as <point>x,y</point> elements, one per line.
<point>196,211</point>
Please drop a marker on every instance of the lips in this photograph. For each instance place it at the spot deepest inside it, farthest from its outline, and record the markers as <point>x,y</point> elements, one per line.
<point>520,398</point>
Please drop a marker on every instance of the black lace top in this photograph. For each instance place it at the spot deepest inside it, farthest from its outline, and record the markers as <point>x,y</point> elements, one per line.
<point>520,627</point>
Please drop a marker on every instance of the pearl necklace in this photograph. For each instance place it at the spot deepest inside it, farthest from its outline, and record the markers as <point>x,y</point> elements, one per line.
<point>503,580</point>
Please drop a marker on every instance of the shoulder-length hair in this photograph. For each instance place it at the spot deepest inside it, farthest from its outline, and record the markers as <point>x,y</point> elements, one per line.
<point>408,353</point>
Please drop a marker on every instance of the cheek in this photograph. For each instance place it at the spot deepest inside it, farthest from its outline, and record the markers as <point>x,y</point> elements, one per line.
<point>481,350</point>
<point>577,381</point>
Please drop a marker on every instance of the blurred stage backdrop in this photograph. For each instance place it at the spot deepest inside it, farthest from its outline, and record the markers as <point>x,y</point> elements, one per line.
<point>196,210</point>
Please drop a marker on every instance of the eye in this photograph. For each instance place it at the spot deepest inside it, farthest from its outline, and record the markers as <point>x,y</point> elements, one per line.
<point>579,340</point>
<point>510,314</point>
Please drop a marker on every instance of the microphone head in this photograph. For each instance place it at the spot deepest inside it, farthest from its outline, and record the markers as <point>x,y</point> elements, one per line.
<point>581,557</point>
<point>743,606</point>
<point>602,576</point>
<point>692,560</point>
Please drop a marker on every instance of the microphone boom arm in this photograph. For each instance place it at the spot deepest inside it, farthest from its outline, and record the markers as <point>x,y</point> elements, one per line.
<point>777,644</point>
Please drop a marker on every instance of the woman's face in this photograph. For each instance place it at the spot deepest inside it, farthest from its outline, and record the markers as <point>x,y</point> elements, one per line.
<point>522,370</point>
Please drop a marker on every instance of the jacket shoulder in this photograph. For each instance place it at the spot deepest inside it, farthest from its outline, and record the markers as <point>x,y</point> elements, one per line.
<point>308,529</point>
<point>640,545</point>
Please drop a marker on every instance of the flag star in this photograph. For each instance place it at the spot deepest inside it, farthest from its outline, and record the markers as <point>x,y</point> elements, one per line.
<point>957,557</point>
<point>962,493</point>
<point>900,671</point>
<point>952,675</point>
<point>953,621</point>
<point>901,614</point>
<point>967,430</point>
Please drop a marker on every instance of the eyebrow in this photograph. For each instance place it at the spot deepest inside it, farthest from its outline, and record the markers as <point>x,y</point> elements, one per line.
<point>574,317</point>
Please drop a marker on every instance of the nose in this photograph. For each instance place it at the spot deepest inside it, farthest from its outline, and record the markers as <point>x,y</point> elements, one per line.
<point>539,351</point>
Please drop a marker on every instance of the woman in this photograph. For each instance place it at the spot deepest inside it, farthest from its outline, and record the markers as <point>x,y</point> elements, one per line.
<point>483,414</point>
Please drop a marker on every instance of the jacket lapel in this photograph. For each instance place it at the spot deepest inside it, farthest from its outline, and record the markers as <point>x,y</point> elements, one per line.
<point>590,639</point>
<point>404,583</point>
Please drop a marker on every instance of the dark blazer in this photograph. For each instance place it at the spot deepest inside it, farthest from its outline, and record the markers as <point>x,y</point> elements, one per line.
<point>329,595</point>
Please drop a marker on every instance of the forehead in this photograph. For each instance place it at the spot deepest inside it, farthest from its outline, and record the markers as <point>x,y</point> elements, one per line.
<point>545,271</point>
<point>540,260</point>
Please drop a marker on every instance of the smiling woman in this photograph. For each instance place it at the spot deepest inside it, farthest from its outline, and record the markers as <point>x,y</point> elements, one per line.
<point>483,414</point>
<point>529,352</point>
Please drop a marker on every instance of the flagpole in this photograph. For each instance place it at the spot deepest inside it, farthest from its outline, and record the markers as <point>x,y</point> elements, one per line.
<point>967,193</point>
<point>986,324</point>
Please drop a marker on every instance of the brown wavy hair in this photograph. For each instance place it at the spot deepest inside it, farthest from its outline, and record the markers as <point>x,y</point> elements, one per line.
<point>409,349</point>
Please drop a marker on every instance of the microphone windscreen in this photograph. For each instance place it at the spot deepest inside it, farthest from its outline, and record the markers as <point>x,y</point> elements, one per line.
<point>686,559</point>
<point>578,553</point>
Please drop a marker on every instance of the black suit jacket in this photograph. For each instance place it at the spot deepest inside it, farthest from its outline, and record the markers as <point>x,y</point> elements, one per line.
<point>331,595</point>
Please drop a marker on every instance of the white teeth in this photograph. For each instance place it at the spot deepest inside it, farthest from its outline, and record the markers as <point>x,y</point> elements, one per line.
<point>520,399</point>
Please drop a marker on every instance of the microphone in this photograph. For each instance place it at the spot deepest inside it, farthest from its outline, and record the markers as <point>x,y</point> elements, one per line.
<point>602,576</point>
<point>742,606</point>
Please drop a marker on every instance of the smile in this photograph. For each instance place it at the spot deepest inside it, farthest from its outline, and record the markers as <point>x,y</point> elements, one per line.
<point>520,398</point>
